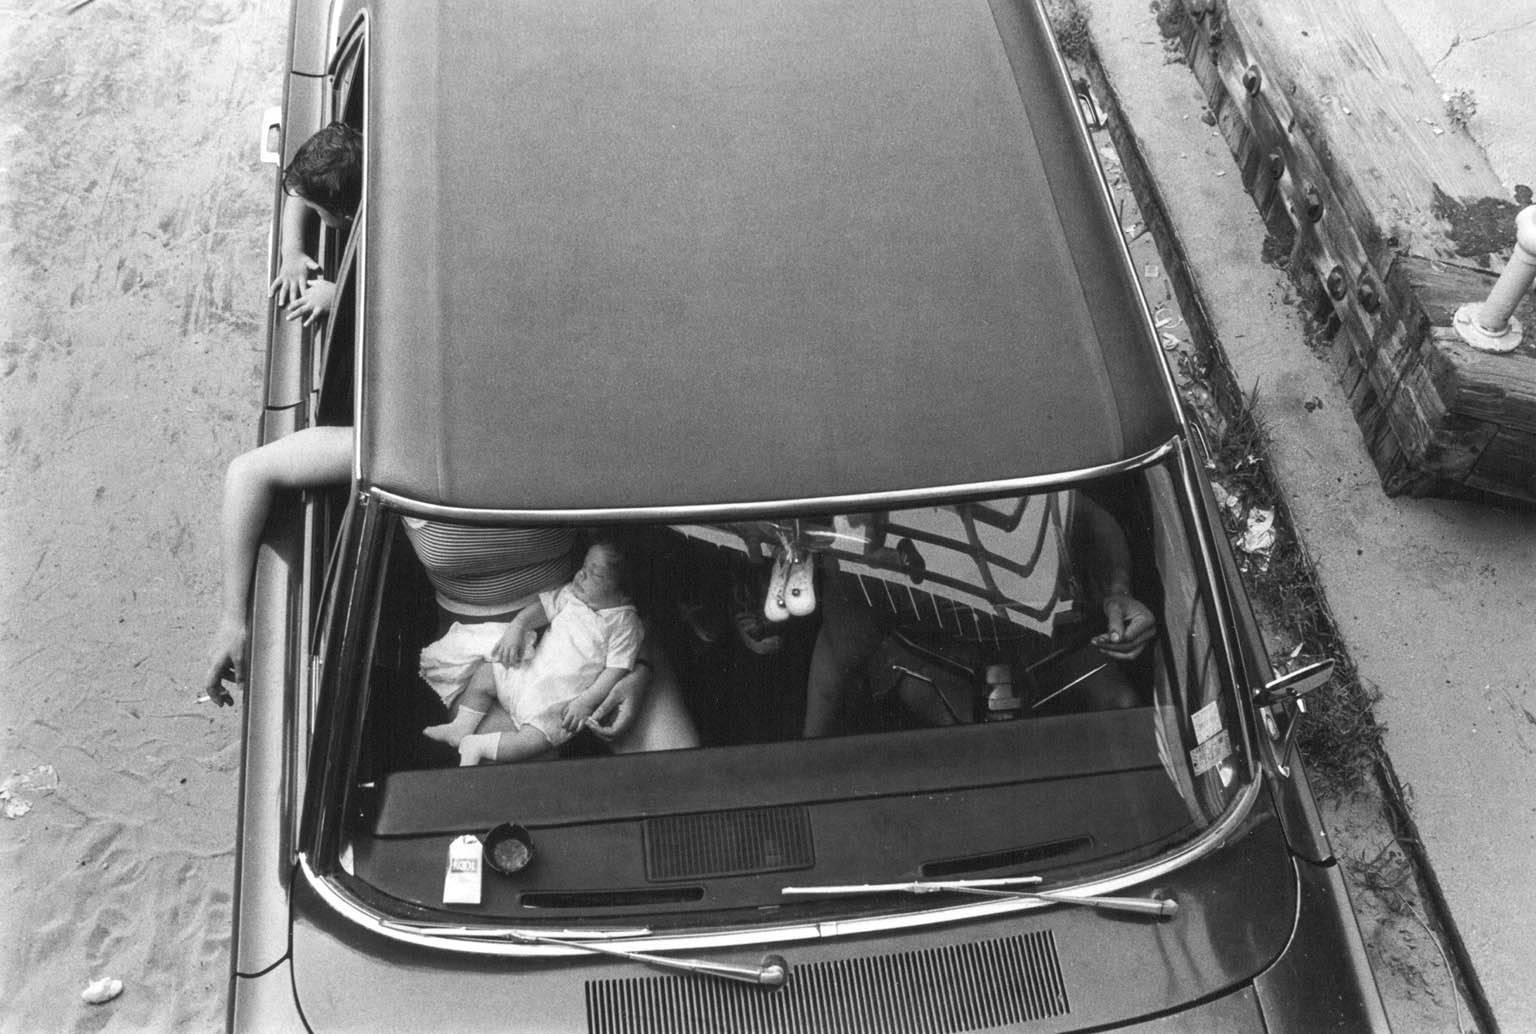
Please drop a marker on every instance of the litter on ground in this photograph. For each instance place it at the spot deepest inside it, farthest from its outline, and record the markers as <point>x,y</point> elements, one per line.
<point>101,990</point>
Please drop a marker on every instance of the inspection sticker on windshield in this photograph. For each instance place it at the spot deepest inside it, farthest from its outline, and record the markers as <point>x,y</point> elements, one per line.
<point>1207,722</point>
<point>1211,753</point>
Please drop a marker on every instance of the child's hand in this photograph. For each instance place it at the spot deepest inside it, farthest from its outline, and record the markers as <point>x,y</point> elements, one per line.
<point>515,645</point>
<point>291,275</point>
<point>576,714</point>
<point>316,301</point>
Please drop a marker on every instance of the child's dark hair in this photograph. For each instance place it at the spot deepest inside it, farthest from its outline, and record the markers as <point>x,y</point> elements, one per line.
<point>327,170</point>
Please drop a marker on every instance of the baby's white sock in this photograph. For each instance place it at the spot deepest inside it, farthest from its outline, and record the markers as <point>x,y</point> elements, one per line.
<point>464,722</point>
<point>479,747</point>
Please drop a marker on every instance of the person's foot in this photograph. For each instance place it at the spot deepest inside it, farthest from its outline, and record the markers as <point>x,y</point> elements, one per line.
<point>452,732</point>
<point>478,748</point>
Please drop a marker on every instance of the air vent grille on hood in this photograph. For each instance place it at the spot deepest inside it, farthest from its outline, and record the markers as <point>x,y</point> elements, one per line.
<point>943,990</point>
<point>727,843</point>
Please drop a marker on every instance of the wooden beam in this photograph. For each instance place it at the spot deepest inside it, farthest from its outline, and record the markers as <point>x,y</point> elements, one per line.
<point>1341,138</point>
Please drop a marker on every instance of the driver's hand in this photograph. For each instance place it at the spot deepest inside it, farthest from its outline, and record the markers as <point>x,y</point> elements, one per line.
<point>1130,626</point>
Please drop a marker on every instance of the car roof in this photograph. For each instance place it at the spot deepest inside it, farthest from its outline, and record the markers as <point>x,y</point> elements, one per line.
<point>629,255</point>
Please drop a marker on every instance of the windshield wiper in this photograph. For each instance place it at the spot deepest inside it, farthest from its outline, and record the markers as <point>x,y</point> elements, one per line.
<point>771,973</point>
<point>1003,887</point>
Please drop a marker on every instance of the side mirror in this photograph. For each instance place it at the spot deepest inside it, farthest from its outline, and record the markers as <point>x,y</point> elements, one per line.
<point>1292,686</point>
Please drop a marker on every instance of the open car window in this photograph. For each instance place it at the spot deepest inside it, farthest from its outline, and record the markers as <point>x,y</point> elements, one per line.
<point>939,668</point>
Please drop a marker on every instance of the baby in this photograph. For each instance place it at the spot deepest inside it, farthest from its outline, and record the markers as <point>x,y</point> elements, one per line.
<point>550,689</point>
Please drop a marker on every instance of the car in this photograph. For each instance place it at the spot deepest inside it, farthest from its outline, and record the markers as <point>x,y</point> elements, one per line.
<point>822,308</point>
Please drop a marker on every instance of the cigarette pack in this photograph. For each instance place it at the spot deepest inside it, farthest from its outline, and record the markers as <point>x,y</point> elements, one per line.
<point>461,883</point>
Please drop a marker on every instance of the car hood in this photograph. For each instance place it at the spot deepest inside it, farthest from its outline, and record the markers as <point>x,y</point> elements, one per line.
<point>1058,969</point>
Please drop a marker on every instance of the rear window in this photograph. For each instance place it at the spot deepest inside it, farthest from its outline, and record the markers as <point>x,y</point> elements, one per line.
<point>908,693</point>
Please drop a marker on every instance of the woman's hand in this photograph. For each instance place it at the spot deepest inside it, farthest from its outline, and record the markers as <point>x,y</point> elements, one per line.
<point>227,663</point>
<point>291,275</point>
<point>1130,627</point>
<point>316,299</point>
<point>515,645</point>
<point>619,709</point>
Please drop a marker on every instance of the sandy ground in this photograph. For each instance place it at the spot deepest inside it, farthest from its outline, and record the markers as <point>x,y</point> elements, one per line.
<point>134,244</point>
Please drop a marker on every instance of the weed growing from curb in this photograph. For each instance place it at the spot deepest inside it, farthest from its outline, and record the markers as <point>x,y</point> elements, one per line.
<point>1340,739</point>
<point>1070,25</point>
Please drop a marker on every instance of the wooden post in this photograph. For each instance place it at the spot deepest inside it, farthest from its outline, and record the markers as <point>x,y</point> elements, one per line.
<point>1491,326</point>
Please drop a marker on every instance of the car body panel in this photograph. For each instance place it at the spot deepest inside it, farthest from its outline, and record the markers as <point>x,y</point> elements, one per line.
<point>285,377</point>
<point>750,229</point>
<point>1315,986</point>
<point>1235,916</point>
<point>309,38</point>
<point>264,851</point>
<point>265,1002</point>
<point>1235,1013</point>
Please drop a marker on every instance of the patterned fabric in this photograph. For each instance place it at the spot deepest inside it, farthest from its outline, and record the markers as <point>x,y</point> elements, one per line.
<point>484,570</point>
<point>986,566</point>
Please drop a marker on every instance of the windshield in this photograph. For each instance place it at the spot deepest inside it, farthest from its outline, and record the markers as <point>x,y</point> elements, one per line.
<point>931,692</point>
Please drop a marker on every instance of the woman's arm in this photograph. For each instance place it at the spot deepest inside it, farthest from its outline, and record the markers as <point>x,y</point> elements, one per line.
<point>308,458</point>
<point>578,710</point>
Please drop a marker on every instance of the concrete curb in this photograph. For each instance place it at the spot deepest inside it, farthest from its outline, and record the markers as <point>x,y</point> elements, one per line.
<point>1230,399</point>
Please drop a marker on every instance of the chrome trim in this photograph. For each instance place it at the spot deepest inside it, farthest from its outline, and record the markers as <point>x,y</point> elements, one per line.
<point>705,511</point>
<point>465,939</point>
<point>360,259</point>
<point>1189,470</point>
<point>334,33</point>
<point>1107,196</point>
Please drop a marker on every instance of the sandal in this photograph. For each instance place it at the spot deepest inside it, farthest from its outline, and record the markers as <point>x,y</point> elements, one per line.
<point>775,606</point>
<point>800,586</point>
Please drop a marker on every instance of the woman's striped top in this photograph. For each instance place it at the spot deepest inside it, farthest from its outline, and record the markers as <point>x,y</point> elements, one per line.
<point>478,571</point>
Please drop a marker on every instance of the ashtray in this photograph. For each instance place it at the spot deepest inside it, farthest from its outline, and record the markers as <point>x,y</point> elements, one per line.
<point>508,848</point>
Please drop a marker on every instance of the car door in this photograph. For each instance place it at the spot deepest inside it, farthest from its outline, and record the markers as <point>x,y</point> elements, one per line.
<point>310,102</point>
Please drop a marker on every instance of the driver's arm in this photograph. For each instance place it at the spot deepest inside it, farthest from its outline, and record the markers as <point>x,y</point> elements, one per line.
<point>1129,623</point>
